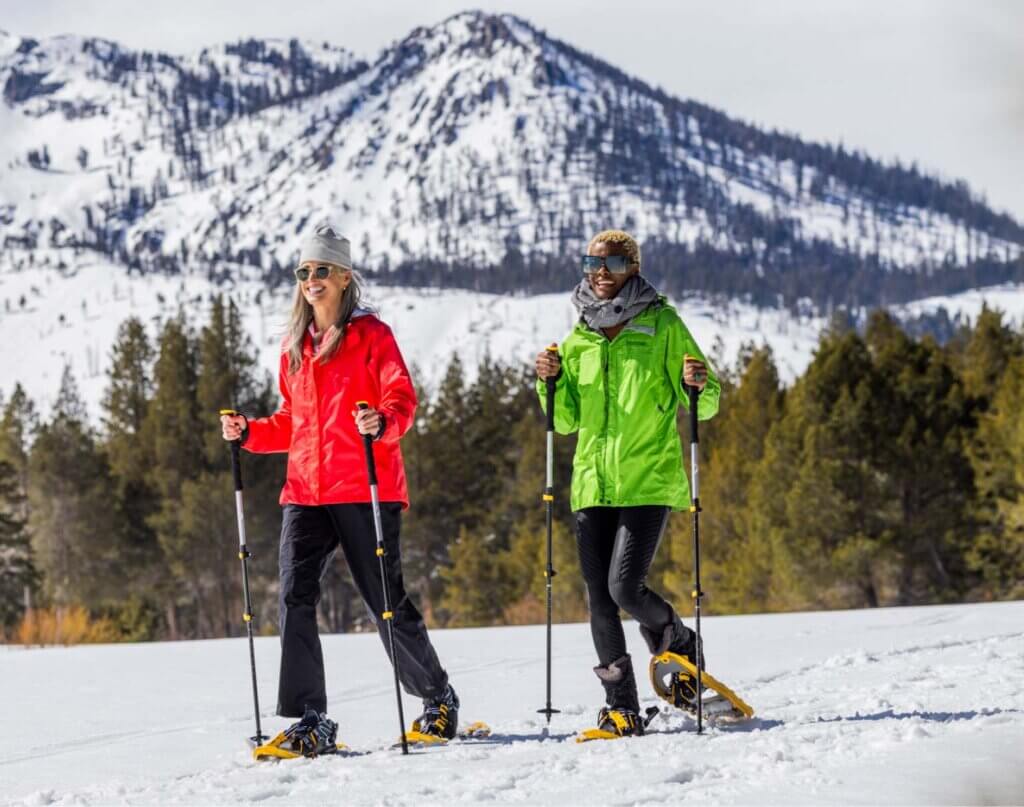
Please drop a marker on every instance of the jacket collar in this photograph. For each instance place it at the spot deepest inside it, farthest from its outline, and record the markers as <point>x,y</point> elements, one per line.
<point>353,336</point>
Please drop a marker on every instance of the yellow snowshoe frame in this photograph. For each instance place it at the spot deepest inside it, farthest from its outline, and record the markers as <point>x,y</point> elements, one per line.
<point>662,669</point>
<point>274,750</point>
<point>600,734</point>
<point>472,731</point>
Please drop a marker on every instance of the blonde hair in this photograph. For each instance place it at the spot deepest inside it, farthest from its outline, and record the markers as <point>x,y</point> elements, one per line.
<point>621,238</point>
<point>302,315</point>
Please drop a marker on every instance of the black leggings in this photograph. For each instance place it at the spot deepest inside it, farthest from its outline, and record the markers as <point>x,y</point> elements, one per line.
<point>616,546</point>
<point>309,538</point>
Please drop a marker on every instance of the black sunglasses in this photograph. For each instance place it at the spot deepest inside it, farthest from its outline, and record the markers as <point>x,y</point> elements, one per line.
<point>616,264</point>
<point>320,273</point>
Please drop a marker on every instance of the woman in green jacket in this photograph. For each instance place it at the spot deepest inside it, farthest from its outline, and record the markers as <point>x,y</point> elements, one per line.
<point>620,377</point>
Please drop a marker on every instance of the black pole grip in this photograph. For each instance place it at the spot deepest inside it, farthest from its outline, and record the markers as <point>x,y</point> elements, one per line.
<point>694,394</point>
<point>550,382</point>
<point>236,463</point>
<point>371,464</point>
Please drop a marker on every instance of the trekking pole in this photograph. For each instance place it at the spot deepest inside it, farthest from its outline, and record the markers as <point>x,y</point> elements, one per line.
<point>243,555</point>
<point>695,509</point>
<point>388,615</point>
<point>549,507</point>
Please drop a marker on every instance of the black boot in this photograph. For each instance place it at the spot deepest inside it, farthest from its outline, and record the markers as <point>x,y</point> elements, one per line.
<point>440,716</point>
<point>621,715</point>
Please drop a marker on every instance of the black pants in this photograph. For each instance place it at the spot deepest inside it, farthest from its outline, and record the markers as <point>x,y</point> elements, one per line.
<point>309,538</point>
<point>616,547</point>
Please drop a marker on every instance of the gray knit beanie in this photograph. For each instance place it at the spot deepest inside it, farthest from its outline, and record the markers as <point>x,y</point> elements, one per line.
<point>325,244</point>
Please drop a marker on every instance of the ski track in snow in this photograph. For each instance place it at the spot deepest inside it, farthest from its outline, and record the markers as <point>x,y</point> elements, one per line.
<point>896,706</point>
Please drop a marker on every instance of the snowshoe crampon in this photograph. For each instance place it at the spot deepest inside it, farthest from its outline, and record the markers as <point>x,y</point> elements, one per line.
<point>614,724</point>
<point>674,678</point>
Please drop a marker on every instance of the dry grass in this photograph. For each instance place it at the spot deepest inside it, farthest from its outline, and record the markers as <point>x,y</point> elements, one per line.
<point>64,626</point>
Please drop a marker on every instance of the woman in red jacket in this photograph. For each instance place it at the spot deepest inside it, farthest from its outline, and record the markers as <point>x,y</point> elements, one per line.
<point>335,355</point>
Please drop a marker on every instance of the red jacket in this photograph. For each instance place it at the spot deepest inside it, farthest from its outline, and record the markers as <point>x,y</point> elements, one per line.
<point>326,459</point>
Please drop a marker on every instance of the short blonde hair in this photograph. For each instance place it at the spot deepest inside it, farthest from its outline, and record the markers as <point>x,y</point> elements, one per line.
<point>620,237</point>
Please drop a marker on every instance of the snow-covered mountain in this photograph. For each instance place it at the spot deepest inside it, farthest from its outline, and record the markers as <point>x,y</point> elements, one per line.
<point>464,144</point>
<point>478,153</point>
<point>885,706</point>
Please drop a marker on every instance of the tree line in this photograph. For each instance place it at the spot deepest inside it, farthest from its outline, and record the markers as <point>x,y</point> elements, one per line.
<point>890,473</point>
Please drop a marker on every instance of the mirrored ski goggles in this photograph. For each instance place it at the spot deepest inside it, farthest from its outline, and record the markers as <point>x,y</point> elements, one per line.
<point>616,264</point>
<point>303,273</point>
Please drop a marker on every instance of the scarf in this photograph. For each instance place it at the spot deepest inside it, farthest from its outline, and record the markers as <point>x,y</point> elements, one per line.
<point>632,298</point>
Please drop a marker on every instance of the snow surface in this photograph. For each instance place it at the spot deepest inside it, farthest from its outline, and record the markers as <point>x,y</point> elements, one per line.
<point>896,706</point>
<point>1008,298</point>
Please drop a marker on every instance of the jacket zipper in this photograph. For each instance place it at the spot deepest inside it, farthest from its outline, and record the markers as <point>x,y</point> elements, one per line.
<point>607,410</point>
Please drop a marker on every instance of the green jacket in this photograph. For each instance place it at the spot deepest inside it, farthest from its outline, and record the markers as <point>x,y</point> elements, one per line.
<point>622,397</point>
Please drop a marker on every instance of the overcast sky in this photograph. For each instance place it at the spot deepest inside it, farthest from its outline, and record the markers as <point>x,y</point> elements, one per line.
<point>936,81</point>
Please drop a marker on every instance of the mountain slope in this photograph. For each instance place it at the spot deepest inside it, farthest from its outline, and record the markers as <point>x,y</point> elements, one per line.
<point>475,145</point>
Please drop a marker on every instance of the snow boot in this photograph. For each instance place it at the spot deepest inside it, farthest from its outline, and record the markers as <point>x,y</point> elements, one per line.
<point>619,685</point>
<point>440,716</point>
<point>313,736</point>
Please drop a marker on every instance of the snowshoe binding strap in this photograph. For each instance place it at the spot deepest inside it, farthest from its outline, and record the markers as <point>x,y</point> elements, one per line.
<point>439,721</point>
<point>613,724</point>
<point>623,722</point>
<point>432,726</point>
<point>313,736</point>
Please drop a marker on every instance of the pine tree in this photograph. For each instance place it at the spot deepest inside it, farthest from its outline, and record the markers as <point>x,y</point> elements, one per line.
<point>440,466</point>
<point>19,424</point>
<point>126,400</point>
<point>205,545</point>
<point>71,518</point>
<point>130,451</point>
<point>982,353</point>
<point>172,430</point>
<point>997,456</point>
<point>18,574</point>
<point>476,584</point>
<point>815,494</point>
<point>923,422</point>
<point>736,558</point>
<point>227,377</point>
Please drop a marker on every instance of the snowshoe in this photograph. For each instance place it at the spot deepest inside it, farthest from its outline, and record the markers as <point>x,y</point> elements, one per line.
<point>313,736</point>
<point>674,678</point>
<point>439,722</point>
<point>614,724</point>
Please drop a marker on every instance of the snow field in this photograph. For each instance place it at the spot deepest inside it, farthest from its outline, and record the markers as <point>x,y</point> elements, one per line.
<point>897,706</point>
